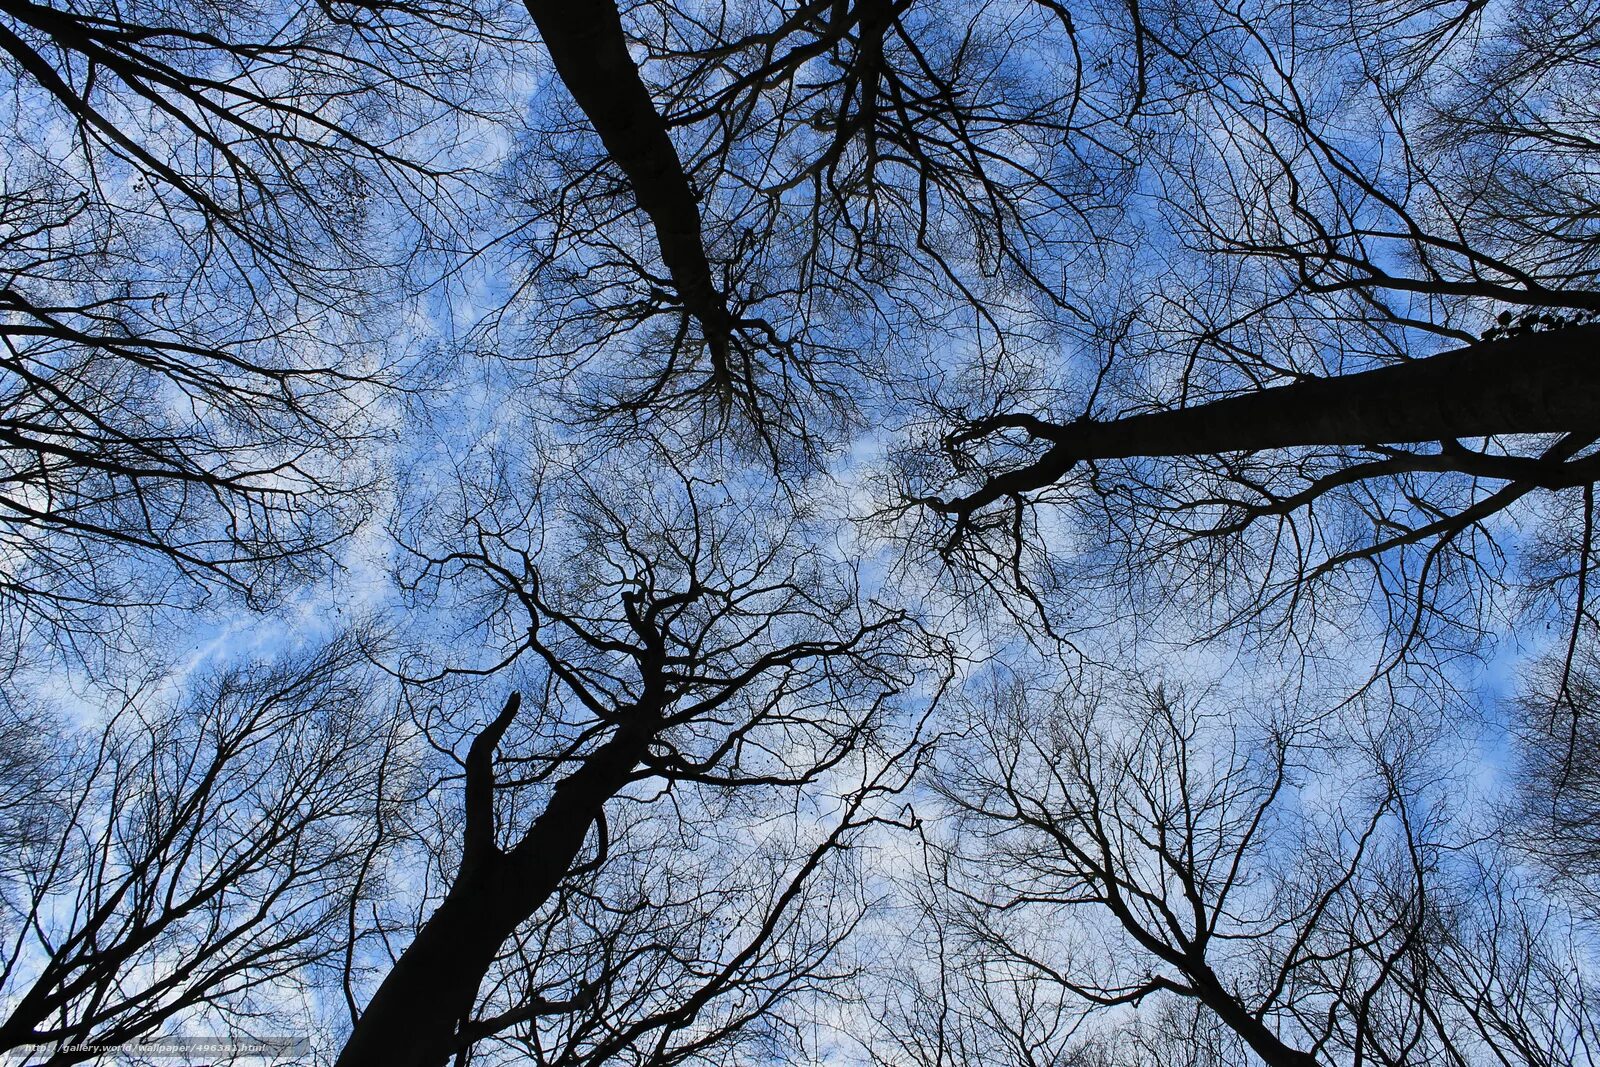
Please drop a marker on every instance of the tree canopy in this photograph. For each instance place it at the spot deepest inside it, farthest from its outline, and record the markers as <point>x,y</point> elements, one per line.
<point>801,531</point>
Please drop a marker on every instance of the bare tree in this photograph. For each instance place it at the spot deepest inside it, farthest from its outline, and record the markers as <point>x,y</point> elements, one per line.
<point>193,859</point>
<point>1342,195</point>
<point>696,672</point>
<point>1289,305</point>
<point>208,212</point>
<point>1354,928</point>
<point>819,186</point>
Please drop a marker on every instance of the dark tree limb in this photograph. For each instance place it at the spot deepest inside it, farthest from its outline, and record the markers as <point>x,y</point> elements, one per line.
<point>416,1017</point>
<point>590,51</point>
<point>479,834</point>
<point>1536,383</point>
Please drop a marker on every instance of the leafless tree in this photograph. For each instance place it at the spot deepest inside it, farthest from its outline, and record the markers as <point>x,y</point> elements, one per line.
<point>193,858</point>
<point>208,213</point>
<point>652,859</point>
<point>785,196</point>
<point>1313,896</point>
<point>1281,313</point>
<point>1343,193</point>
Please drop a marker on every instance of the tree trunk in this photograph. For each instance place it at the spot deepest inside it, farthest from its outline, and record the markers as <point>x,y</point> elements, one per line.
<point>413,1020</point>
<point>1262,1041</point>
<point>1535,383</point>
<point>590,51</point>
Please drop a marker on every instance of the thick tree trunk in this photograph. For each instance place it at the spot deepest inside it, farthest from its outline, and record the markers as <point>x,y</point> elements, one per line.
<point>414,1018</point>
<point>590,51</point>
<point>1262,1041</point>
<point>1536,383</point>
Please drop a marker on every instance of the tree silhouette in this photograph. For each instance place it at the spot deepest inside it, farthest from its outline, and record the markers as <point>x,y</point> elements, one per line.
<point>693,654</point>
<point>192,859</point>
<point>203,210</point>
<point>784,448</point>
<point>1356,932</point>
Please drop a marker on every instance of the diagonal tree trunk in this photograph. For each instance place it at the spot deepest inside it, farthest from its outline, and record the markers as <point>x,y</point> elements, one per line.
<point>414,1018</point>
<point>1261,1038</point>
<point>590,51</point>
<point>1535,383</point>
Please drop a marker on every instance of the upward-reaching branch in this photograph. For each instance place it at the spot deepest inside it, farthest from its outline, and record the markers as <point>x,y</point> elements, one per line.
<point>681,649</point>
<point>479,838</point>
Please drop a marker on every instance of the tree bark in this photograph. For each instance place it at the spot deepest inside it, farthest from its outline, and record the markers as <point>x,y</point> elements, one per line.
<point>1535,383</point>
<point>1262,1041</point>
<point>590,51</point>
<point>415,1017</point>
